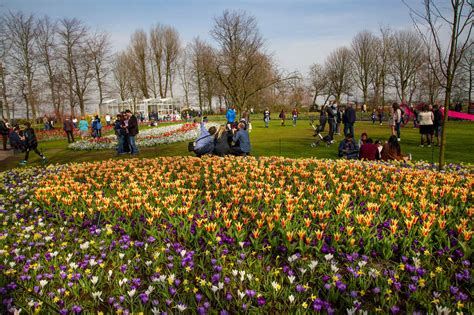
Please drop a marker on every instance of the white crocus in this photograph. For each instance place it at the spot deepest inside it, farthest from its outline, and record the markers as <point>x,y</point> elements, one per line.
<point>97,295</point>
<point>291,279</point>
<point>291,298</point>
<point>132,292</point>
<point>94,280</point>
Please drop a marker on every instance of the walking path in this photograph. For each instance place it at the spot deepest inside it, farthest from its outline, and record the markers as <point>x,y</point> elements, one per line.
<point>5,154</point>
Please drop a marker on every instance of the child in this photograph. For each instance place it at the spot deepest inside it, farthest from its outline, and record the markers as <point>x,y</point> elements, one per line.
<point>30,141</point>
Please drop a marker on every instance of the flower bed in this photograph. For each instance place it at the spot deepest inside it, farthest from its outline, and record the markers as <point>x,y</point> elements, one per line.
<point>147,138</point>
<point>236,234</point>
<point>60,134</point>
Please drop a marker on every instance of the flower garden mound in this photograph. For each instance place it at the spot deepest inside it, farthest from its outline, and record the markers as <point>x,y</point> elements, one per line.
<point>238,235</point>
<point>147,138</point>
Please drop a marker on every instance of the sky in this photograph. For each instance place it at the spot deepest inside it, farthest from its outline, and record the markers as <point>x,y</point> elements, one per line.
<point>297,33</point>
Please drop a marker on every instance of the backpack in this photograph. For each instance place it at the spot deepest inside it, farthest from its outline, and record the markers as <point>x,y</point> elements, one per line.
<point>98,125</point>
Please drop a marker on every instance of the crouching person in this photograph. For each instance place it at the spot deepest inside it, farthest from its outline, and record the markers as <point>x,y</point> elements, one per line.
<point>205,142</point>
<point>241,141</point>
<point>348,149</point>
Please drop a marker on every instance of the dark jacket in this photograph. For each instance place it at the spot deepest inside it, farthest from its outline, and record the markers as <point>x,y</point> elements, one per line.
<point>30,138</point>
<point>68,125</point>
<point>349,116</point>
<point>3,128</point>
<point>133,126</point>
<point>15,140</point>
<point>221,145</point>
<point>348,149</point>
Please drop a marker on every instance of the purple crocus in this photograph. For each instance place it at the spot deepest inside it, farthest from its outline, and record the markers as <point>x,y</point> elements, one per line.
<point>261,300</point>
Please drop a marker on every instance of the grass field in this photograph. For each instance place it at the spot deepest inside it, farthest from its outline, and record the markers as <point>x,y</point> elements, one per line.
<point>285,141</point>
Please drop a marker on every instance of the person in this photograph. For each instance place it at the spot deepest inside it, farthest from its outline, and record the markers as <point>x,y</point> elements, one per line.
<point>369,151</point>
<point>363,139</point>
<point>221,143</point>
<point>364,108</point>
<point>437,123</point>
<point>282,116</point>
<point>230,115</point>
<point>391,150</point>
<point>28,137</point>
<point>46,122</point>
<point>332,118</point>
<point>396,120</point>
<point>348,149</point>
<point>83,127</point>
<point>241,137</point>
<point>96,127</point>
<point>132,129</point>
<point>74,121</point>
<point>323,118</point>
<point>374,116</point>
<point>246,116</point>
<point>294,114</point>
<point>266,117</point>
<point>380,115</point>
<point>205,142</point>
<point>15,140</point>
<point>349,119</point>
<point>339,116</point>
<point>458,107</point>
<point>4,131</point>
<point>120,131</point>
<point>426,118</point>
<point>108,119</point>
<point>68,127</point>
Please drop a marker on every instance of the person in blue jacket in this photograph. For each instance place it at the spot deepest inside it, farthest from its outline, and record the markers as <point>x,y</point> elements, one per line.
<point>242,141</point>
<point>230,115</point>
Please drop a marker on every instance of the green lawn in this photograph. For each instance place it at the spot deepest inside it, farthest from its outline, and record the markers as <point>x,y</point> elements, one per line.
<point>285,141</point>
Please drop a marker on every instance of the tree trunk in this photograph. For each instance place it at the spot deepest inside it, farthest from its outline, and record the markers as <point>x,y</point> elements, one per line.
<point>5,107</point>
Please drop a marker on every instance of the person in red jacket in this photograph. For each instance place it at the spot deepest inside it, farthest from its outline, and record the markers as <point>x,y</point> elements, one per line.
<point>369,151</point>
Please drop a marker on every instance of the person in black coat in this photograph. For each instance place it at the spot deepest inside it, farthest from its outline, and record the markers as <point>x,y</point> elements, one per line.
<point>349,120</point>
<point>30,142</point>
<point>132,131</point>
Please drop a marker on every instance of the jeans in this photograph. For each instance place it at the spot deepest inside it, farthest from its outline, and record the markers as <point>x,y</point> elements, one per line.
<point>120,140</point>
<point>133,145</point>
<point>266,122</point>
<point>294,120</point>
<point>35,148</point>
<point>70,136</point>
<point>332,128</point>
<point>397,129</point>
<point>348,129</point>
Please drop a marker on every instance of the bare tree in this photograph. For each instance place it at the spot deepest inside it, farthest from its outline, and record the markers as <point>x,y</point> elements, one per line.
<point>241,58</point>
<point>121,74</point>
<point>21,35</point>
<point>364,58</point>
<point>157,51</point>
<point>47,49</point>
<point>457,18</point>
<point>171,53</point>
<point>4,51</point>
<point>185,72</point>
<point>99,51</point>
<point>382,48</point>
<point>138,49</point>
<point>318,81</point>
<point>339,72</point>
<point>72,34</point>
<point>406,59</point>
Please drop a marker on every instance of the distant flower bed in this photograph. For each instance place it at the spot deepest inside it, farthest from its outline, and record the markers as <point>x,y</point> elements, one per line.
<point>60,134</point>
<point>147,138</point>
